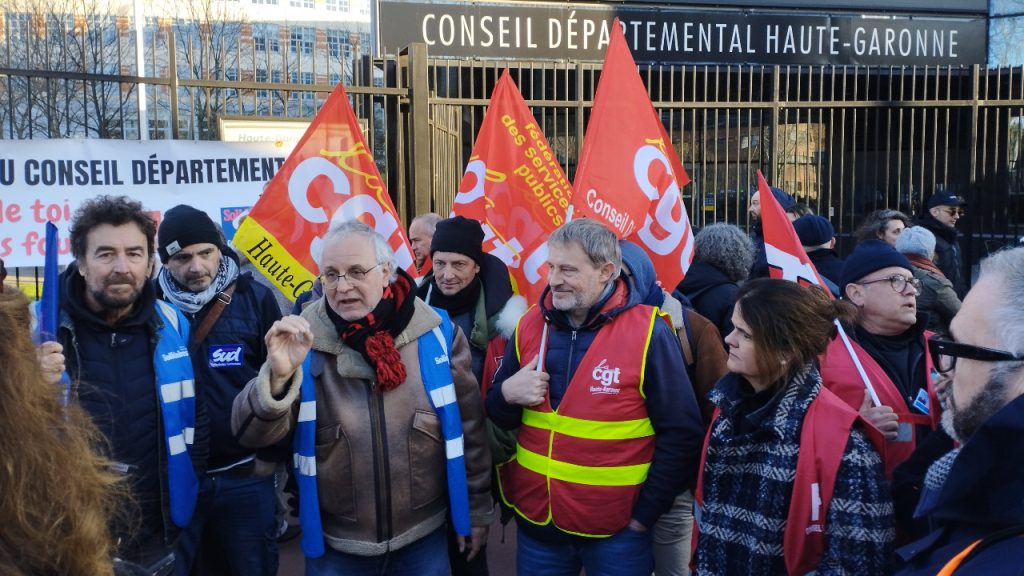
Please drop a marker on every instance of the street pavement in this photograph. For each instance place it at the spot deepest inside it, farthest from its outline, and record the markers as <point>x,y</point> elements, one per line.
<point>501,556</point>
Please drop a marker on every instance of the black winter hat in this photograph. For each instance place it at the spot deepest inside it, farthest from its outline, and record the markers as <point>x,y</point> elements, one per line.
<point>867,257</point>
<point>183,226</point>
<point>460,235</point>
<point>813,230</point>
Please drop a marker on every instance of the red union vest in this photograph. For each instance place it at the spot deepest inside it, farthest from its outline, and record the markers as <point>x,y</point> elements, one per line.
<point>839,375</point>
<point>581,467</point>
<point>823,438</point>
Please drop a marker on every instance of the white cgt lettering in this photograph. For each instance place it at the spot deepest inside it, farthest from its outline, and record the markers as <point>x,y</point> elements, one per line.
<point>300,180</point>
<point>352,209</point>
<point>479,169</point>
<point>667,201</point>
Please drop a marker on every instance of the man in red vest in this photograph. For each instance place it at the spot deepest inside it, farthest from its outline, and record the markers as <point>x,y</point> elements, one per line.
<point>892,346</point>
<point>609,430</point>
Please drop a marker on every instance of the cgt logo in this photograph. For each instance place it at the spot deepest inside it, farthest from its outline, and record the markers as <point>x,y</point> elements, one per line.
<point>605,376</point>
<point>224,355</point>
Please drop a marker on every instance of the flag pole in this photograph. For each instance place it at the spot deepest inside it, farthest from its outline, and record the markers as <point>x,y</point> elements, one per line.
<point>856,362</point>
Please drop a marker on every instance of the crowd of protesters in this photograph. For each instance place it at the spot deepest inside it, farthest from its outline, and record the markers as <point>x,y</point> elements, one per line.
<point>733,424</point>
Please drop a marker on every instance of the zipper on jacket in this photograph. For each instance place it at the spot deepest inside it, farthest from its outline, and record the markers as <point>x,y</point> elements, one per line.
<point>568,364</point>
<point>380,464</point>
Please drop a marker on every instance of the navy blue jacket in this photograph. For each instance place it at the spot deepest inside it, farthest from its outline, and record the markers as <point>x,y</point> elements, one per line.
<point>671,405</point>
<point>113,380</point>
<point>711,293</point>
<point>983,493</point>
<point>827,263</point>
<point>220,375</point>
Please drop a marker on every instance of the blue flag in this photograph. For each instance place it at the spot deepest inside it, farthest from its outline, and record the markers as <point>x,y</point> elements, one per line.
<point>50,302</point>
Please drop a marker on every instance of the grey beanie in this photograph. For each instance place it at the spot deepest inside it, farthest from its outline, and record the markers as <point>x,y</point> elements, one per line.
<point>916,240</point>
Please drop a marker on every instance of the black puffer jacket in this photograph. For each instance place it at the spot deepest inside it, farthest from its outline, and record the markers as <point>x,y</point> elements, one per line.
<point>113,380</point>
<point>220,376</point>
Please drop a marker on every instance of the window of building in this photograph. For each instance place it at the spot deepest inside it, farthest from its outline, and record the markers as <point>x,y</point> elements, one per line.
<point>337,44</point>
<point>301,39</point>
<point>301,3</point>
<point>337,5</point>
<point>265,37</point>
<point>274,2</point>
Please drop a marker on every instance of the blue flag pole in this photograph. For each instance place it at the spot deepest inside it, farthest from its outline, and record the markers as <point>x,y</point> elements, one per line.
<point>49,304</point>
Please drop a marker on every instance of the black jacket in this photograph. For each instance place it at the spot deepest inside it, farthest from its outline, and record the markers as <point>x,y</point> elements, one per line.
<point>219,375</point>
<point>113,380</point>
<point>948,257</point>
<point>711,293</point>
<point>982,494</point>
<point>828,264</point>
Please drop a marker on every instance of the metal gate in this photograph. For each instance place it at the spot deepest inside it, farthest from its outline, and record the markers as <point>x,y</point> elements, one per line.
<point>843,140</point>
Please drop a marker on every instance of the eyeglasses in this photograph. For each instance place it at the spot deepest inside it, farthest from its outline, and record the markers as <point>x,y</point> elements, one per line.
<point>354,276</point>
<point>897,283</point>
<point>945,352</point>
<point>953,211</point>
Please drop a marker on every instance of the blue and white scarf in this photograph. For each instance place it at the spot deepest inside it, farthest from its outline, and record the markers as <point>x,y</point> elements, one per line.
<point>435,371</point>
<point>176,388</point>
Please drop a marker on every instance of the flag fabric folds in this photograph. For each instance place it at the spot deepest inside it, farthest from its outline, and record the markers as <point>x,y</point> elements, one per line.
<point>629,176</point>
<point>329,178</point>
<point>515,186</point>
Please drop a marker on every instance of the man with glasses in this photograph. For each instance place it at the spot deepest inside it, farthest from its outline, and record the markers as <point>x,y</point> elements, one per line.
<point>974,495</point>
<point>387,417</point>
<point>944,210</point>
<point>890,342</point>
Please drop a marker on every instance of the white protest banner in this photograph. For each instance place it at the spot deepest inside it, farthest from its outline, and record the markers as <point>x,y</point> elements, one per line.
<point>44,180</point>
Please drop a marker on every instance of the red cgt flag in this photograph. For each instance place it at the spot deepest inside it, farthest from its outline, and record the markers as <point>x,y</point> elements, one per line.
<point>629,175</point>
<point>515,187</point>
<point>787,258</point>
<point>329,178</point>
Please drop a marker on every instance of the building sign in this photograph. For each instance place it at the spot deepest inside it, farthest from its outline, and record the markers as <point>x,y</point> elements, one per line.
<point>961,7</point>
<point>683,36</point>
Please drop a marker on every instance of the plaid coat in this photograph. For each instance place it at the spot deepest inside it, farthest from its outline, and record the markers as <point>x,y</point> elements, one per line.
<point>748,485</point>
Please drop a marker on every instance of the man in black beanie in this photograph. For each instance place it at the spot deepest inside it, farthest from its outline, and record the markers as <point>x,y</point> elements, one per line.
<point>233,530</point>
<point>475,289</point>
<point>893,347</point>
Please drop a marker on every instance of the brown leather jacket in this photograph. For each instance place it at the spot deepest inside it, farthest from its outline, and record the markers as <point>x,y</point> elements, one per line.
<point>380,457</point>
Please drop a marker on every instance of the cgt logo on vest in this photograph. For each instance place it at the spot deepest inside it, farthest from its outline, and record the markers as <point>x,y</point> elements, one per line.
<point>224,355</point>
<point>605,376</point>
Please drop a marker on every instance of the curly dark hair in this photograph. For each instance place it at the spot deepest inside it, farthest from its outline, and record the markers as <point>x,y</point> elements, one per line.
<point>113,210</point>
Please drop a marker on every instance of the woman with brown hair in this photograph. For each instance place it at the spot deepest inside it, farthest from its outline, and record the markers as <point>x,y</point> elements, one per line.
<point>885,225</point>
<point>56,493</point>
<point>790,484</point>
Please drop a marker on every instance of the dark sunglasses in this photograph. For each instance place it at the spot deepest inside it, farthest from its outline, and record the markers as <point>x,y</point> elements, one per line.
<point>945,352</point>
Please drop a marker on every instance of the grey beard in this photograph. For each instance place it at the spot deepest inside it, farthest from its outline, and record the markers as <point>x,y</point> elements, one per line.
<point>962,423</point>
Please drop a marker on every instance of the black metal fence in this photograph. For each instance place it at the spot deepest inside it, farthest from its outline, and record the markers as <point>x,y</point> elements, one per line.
<point>844,140</point>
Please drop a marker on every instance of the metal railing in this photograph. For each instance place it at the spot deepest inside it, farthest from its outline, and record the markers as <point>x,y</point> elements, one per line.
<point>844,140</point>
